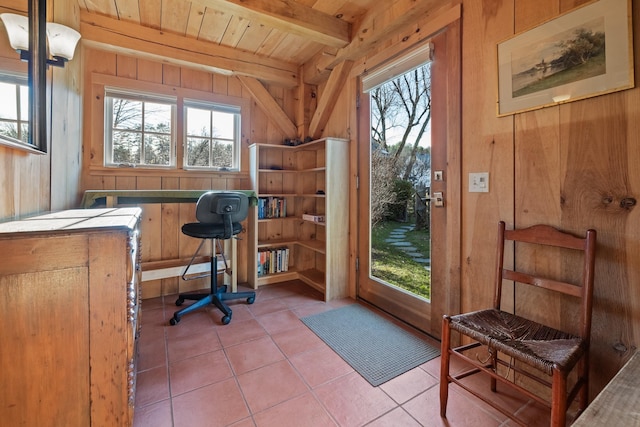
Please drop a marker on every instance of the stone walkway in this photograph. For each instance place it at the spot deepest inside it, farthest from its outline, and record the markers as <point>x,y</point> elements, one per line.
<point>398,238</point>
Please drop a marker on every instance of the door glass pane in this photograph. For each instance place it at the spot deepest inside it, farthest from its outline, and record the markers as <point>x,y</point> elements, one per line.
<point>400,165</point>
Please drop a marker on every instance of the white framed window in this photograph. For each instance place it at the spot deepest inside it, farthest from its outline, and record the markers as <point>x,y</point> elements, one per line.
<point>139,129</point>
<point>14,109</point>
<point>211,136</point>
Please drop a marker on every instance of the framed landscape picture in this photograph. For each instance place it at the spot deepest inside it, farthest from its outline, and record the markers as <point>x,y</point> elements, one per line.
<point>583,53</point>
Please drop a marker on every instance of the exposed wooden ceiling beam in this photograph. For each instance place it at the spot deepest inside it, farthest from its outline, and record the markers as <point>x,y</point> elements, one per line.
<point>269,105</point>
<point>288,16</point>
<point>328,98</point>
<point>376,26</point>
<point>128,37</point>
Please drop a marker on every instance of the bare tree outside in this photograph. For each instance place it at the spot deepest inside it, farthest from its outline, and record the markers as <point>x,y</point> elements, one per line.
<point>400,179</point>
<point>142,134</point>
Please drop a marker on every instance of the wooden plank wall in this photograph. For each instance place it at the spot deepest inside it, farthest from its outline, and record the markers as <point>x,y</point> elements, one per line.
<point>570,166</point>
<point>161,236</point>
<point>33,183</point>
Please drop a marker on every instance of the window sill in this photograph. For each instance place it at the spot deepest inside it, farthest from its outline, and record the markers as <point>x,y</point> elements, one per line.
<point>20,146</point>
<point>191,173</point>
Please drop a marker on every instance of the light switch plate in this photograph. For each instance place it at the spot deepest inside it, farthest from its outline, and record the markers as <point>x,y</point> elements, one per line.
<point>479,182</point>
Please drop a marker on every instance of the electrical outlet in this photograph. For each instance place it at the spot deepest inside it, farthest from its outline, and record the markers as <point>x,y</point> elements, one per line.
<point>479,182</point>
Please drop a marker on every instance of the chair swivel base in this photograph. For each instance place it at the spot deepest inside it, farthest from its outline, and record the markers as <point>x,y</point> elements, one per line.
<point>216,298</point>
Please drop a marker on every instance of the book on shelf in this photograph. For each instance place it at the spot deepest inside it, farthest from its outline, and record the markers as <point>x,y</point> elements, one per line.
<point>273,260</point>
<point>272,207</point>
<point>313,217</point>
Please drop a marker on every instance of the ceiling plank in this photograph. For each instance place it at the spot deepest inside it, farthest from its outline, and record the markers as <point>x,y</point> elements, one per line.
<point>269,105</point>
<point>328,99</point>
<point>288,16</point>
<point>377,26</point>
<point>166,47</point>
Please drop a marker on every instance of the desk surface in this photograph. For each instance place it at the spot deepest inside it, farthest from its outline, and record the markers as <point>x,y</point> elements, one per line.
<point>618,404</point>
<point>72,219</point>
<point>98,198</point>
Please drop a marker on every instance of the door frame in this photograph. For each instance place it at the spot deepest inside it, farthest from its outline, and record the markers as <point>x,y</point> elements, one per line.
<point>445,239</point>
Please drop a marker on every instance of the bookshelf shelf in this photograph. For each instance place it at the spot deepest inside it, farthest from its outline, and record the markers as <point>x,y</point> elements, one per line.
<point>310,179</point>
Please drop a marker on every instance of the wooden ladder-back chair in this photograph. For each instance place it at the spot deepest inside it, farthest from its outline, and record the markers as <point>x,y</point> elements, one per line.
<point>551,352</point>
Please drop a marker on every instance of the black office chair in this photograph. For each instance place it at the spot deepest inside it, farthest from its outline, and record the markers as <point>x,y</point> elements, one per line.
<point>219,215</point>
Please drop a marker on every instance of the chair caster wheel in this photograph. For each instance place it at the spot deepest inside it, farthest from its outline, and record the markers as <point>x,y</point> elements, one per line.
<point>251,300</point>
<point>174,321</point>
<point>179,302</point>
<point>226,320</point>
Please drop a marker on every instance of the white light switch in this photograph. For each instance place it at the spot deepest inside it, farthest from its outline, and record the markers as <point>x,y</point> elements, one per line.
<point>479,182</point>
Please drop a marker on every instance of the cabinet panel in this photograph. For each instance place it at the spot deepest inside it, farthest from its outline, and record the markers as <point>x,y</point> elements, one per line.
<point>44,341</point>
<point>312,178</point>
<point>73,322</point>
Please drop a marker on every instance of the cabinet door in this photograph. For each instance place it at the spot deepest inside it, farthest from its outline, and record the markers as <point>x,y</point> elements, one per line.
<point>44,355</point>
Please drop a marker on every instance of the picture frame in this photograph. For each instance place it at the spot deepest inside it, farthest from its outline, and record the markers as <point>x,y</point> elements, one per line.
<point>583,53</point>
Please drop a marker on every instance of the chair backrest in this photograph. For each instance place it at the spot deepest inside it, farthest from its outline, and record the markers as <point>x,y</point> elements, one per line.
<point>551,237</point>
<point>216,207</point>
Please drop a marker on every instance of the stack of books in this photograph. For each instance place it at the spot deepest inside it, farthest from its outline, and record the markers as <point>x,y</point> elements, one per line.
<point>273,260</point>
<point>272,207</point>
<point>313,217</point>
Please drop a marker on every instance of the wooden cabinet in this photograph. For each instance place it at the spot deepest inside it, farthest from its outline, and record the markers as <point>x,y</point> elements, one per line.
<point>293,183</point>
<point>70,318</point>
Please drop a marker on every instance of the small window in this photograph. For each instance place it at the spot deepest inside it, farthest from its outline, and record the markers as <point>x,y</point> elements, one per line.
<point>211,136</point>
<point>14,109</point>
<point>139,130</point>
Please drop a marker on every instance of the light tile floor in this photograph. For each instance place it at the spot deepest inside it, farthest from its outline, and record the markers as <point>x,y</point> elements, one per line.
<point>266,368</point>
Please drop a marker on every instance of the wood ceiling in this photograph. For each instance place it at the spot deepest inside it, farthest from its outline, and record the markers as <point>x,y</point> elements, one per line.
<point>266,39</point>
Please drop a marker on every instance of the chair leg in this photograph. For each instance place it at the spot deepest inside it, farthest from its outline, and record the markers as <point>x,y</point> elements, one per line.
<point>444,367</point>
<point>216,296</point>
<point>583,394</point>
<point>558,399</point>
<point>494,368</point>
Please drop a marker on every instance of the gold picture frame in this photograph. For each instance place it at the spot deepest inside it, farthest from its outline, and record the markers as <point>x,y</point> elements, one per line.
<point>583,53</point>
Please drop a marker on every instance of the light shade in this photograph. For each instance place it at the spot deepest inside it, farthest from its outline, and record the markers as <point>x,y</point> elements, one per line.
<point>61,39</point>
<point>17,29</point>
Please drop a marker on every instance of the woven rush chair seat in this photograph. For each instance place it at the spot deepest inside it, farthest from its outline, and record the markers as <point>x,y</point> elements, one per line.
<point>540,346</point>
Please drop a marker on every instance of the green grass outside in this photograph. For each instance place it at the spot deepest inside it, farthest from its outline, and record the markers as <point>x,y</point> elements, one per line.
<point>394,266</point>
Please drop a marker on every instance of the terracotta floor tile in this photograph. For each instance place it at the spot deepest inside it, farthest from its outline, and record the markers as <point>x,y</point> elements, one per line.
<point>311,308</point>
<point>297,340</point>
<point>425,408</point>
<point>239,332</point>
<point>247,422</point>
<point>156,415</point>
<point>297,300</point>
<point>152,386</point>
<point>284,374</point>
<point>352,401</point>
<point>267,306</point>
<point>279,321</point>
<point>218,404</point>
<point>153,303</point>
<point>153,320</point>
<point>192,323</point>
<point>320,366</point>
<point>193,345</point>
<point>240,312</point>
<point>195,372</point>
<point>396,418</point>
<point>252,355</point>
<point>302,411</point>
<point>280,290</point>
<point>271,385</point>
<point>152,352</point>
<point>408,385</point>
